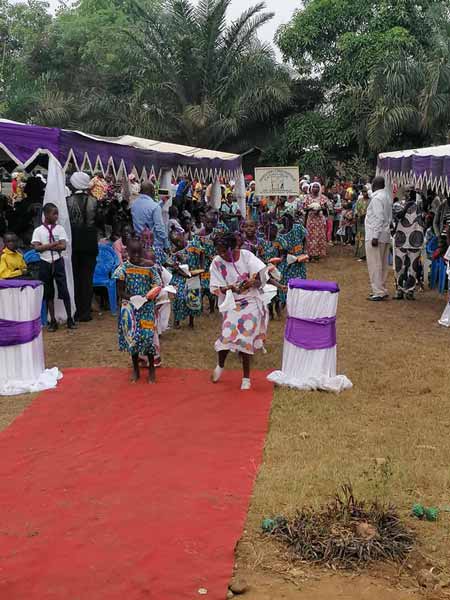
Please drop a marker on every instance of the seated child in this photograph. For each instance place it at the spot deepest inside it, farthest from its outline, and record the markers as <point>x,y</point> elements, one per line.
<point>12,264</point>
<point>50,241</point>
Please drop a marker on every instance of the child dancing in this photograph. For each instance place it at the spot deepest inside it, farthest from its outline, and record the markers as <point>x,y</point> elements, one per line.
<point>237,278</point>
<point>137,328</point>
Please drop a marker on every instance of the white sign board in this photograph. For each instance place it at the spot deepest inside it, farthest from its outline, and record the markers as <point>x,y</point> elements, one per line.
<point>277,181</point>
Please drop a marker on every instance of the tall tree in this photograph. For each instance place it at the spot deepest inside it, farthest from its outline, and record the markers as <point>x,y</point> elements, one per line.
<point>212,80</point>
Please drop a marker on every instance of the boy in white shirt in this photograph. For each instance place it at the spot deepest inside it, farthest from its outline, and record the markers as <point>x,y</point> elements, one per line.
<point>50,240</point>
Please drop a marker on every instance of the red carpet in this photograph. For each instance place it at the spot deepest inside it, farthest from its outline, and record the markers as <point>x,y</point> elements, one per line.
<point>113,491</point>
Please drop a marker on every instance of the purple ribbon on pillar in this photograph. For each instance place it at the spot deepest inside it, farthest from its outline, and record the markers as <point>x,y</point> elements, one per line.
<point>311,334</point>
<point>15,333</point>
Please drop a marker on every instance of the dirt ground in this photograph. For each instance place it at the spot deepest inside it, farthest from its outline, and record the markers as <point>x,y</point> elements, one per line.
<point>397,358</point>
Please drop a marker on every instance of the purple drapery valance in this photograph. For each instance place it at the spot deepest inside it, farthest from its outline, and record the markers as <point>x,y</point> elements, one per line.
<point>436,167</point>
<point>15,333</point>
<point>23,141</point>
<point>311,334</point>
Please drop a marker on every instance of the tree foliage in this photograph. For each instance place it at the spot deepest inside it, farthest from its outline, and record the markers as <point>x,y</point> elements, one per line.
<point>174,69</point>
<point>384,70</point>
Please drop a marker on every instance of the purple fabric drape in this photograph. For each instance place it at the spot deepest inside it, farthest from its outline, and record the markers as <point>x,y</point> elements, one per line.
<point>311,285</point>
<point>311,334</point>
<point>15,333</point>
<point>7,284</point>
<point>23,141</point>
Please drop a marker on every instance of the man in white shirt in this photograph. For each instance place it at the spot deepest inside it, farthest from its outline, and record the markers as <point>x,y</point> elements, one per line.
<point>378,239</point>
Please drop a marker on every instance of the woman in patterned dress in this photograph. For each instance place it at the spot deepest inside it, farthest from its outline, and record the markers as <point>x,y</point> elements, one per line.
<point>137,326</point>
<point>292,242</point>
<point>237,278</point>
<point>315,207</point>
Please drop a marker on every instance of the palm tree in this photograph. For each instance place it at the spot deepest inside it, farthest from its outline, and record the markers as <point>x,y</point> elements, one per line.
<point>408,100</point>
<point>213,80</point>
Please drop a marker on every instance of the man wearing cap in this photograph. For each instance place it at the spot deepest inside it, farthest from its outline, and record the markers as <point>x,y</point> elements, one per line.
<point>82,209</point>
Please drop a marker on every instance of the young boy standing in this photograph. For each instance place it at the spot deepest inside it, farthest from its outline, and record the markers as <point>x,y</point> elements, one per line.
<point>50,240</point>
<point>12,264</point>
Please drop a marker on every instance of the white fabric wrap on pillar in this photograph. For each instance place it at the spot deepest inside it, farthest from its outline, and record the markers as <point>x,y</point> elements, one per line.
<point>22,367</point>
<point>55,192</point>
<point>216,195</point>
<point>239,193</point>
<point>310,369</point>
<point>165,183</point>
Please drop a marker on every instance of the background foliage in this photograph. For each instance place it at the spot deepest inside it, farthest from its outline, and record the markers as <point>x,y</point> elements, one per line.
<point>358,77</point>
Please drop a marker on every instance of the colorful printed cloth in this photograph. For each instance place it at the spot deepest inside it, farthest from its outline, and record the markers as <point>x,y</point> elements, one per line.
<point>244,327</point>
<point>137,327</point>
<point>317,235</point>
<point>209,254</point>
<point>292,243</point>
<point>187,302</point>
<point>268,250</point>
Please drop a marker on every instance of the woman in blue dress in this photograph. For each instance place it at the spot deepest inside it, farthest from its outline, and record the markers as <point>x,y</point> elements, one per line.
<point>137,325</point>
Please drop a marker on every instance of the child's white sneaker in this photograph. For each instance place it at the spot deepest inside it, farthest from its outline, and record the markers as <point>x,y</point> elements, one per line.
<point>246,385</point>
<point>216,374</point>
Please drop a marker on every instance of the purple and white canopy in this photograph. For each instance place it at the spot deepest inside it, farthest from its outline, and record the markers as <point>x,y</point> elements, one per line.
<point>422,166</point>
<point>123,155</point>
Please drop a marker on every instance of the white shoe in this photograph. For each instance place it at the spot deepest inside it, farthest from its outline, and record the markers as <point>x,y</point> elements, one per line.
<point>216,374</point>
<point>246,385</point>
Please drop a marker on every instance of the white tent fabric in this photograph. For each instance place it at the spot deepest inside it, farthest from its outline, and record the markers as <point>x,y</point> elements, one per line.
<point>310,369</point>
<point>55,192</point>
<point>22,367</point>
<point>430,151</point>
<point>145,144</point>
<point>239,192</point>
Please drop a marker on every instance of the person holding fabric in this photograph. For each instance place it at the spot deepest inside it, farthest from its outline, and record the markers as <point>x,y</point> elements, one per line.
<point>146,212</point>
<point>237,278</point>
<point>408,242</point>
<point>82,209</point>
<point>378,237</point>
<point>137,326</point>
<point>315,207</point>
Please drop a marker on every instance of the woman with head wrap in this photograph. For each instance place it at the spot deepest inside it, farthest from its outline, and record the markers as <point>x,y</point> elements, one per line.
<point>82,209</point>
<point>316,207</point>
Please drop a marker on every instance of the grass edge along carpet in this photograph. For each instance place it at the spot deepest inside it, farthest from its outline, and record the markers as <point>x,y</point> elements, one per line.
<point>114,491</point>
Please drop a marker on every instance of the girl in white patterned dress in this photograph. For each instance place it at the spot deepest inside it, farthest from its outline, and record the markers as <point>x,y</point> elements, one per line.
<point>237,278</point>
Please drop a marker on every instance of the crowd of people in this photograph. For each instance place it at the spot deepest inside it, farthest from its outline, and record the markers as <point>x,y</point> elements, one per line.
<point>182,251</point>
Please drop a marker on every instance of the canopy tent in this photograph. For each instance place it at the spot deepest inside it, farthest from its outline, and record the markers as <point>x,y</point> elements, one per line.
<point>423,166</point>
<point>24,143</point>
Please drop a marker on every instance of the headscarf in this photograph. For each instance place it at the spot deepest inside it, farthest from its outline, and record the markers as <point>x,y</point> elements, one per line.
<point>305,187</point>
<point>80,181</point>
<point>316,184</point>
